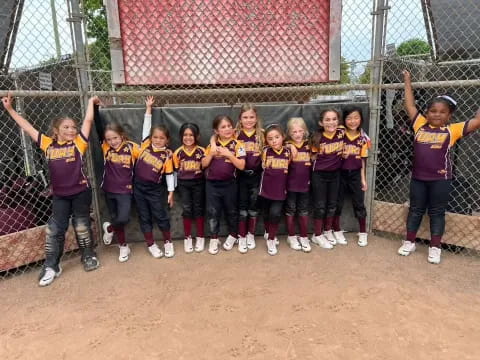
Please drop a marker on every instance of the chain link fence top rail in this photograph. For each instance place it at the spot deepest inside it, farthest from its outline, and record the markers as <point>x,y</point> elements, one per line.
<point>437,41</point>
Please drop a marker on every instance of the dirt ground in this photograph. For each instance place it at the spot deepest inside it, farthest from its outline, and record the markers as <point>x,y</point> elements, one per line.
<point>345,303</point>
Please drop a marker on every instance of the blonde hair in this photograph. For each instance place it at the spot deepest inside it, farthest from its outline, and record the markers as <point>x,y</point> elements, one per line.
<point>258,126</point>
<point>300,122</point>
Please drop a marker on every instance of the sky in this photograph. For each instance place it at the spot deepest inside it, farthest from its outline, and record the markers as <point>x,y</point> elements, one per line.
<point>35,40</point>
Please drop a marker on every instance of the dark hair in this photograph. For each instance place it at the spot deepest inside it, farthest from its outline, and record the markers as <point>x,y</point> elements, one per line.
<point>161,128</point>
<point>315,141</point>
<point>443,99</point>
<point>55,124</point>
<point>193,127</point>
<point>273,127</point>
<point>218,119</point>
<point>116,128</point>
<point>349,110</point>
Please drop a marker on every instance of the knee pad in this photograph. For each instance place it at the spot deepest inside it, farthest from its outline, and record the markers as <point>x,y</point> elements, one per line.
<point>242,215</point>
<point>83,235</point>
<point>252,213</point>
<point>303,213</point>
<point>289,212</point>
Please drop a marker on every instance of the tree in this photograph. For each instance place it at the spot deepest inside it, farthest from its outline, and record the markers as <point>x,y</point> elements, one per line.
<point>413,47</point>
<point>364,78</point>
<point>344,71</point>
<point>97,29</point>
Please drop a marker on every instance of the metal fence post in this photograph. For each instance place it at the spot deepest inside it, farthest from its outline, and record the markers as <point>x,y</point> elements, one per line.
<point>80,56</point>
<point>380,11</point>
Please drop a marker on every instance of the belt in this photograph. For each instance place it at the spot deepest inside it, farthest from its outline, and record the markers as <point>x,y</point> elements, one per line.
<point>249,172</point>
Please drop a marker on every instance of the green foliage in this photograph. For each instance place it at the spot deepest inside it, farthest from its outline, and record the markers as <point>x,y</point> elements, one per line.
<point>413,47</point>
<point>97,30</point>
<point>344,71</point>
<point>365,77</point>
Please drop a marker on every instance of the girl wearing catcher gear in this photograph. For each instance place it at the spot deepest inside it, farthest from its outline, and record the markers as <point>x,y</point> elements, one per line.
<point>431,181</point>
<point>72,195</point>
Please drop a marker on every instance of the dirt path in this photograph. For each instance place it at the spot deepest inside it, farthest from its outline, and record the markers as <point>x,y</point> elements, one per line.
<point>349,303</point>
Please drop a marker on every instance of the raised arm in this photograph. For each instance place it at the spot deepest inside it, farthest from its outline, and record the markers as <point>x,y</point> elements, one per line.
<point>409,104</point>
<point>474,124</point>
<point>89,116</point>
<point>147,119</point>
<point>21,121</point>
<point>99,125</point>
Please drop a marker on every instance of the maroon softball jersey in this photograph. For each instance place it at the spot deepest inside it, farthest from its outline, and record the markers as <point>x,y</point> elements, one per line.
<point>273,184</point>
<point>65,162</point>
<point>252,159</point>
<point>432,149</point>
<point>329,152</point>
<point>221,168</point>
<point>153,163</point>
<point>118,167</point>
<point>300,169</point>
<point>355,149</point>
<point>188,164</point>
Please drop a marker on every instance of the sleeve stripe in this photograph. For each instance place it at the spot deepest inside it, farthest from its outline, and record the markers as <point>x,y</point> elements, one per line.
<point>83,137</point>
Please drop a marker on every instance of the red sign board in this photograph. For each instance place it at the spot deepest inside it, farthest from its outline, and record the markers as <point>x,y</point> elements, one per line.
<point>227,41</point>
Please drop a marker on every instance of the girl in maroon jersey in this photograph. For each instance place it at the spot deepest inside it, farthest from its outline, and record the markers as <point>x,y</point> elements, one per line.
<point>353,174</point>
<point>431,181</point>
<point>298,185</point>
<point>273,184</point>
<point>249,130</point>
<point>223,156</point>
<point>119,155</point>
<point>327,149</point>
<point>152,195</point>
<point>187,161</point>
<point>72,195</point>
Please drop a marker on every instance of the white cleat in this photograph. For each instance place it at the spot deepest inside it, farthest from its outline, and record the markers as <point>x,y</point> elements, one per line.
<point>213,246</point>
<point>434,254</point>
<point>293,242</point>
<point>188,245</point>
<point>407,248</point>
<point>340,237</point>
<point>362,239</point>
<point>242,245</point>
<point>155,251</point>
<point>330,237</point>
<point>124,253</point>
<point>169,250</point>
<point>251,241</point>
<point>229,242</point>
<point>305,244</point>
<point>322,241</point>
<point>272,247</point>
<point>199,244</point>
<point>107,235</point>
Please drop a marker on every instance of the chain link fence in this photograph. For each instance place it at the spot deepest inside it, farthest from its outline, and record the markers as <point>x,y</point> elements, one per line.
<point>54,54</point>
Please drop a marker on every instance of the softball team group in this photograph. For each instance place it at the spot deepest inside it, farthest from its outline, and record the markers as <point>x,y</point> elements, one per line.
<point>244,171</point>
